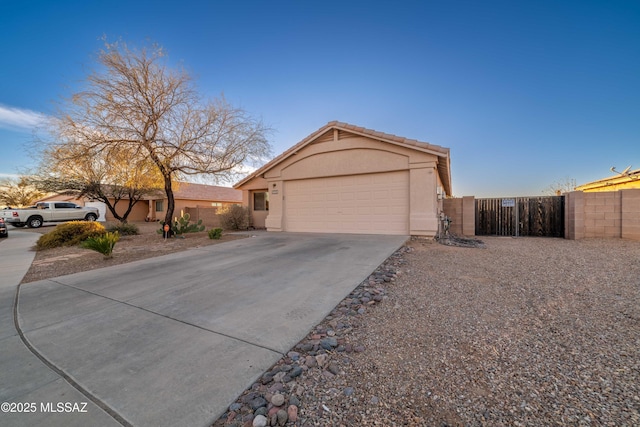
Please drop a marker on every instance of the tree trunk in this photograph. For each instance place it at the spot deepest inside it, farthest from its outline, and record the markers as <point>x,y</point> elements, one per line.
<point>98,194</point>
<point>112,209</point>
<point>171,204</point>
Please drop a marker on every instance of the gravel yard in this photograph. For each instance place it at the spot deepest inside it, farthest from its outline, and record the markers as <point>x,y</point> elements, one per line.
<point>524,332</point>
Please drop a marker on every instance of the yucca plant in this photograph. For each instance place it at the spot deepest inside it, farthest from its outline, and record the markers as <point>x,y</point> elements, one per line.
<point>103,244</point>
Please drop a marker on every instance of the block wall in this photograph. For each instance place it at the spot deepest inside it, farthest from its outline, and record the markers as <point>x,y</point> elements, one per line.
<point>462,212</point>
<point>630,214</point>
<point>603,214</point>
<point>453,209</point>
<point>208,215</point>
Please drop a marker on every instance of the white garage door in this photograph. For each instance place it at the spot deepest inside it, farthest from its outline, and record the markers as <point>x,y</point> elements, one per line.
<point>362,204</point>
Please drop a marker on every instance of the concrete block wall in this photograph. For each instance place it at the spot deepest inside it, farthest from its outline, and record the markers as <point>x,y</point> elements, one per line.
<point>469,216</point>
<point>603,214</point>
<point>574,215</point>
<point>453,209</point>
<point>630,214</point>
<point>462,212</point>
<point>208,215</point>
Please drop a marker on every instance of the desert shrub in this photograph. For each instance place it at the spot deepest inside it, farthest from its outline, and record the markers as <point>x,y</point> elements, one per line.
<point>215,233</point>
<point>70,234</point>
<point>234,217</point>
<point>103,244</point>
<point>124,229</point>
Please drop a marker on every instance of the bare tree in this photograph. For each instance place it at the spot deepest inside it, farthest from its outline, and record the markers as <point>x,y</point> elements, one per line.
<point>137,103</point>
<point>110,176</point>
<point>562,186</point>
<point>18,192</point>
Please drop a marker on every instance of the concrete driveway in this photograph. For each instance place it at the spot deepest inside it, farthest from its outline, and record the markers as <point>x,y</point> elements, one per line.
<point>173,340</point>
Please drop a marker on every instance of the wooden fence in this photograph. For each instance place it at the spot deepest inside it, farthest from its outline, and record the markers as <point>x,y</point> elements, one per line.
<point>520,216</point>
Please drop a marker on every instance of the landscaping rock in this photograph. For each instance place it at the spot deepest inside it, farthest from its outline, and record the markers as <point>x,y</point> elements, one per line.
<point>260,421</point>
<point>277,400</point>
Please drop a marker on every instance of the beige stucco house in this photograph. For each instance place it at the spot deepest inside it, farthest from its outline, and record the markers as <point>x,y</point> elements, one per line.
<point>347,179</point>
<point>190,195</point>
<point>153,207</point>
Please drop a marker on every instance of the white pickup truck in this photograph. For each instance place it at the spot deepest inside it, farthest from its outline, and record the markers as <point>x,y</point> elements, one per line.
<point>42,212</point>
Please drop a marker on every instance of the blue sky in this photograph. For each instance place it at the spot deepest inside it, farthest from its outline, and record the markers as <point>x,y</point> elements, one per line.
<point>523,93</point>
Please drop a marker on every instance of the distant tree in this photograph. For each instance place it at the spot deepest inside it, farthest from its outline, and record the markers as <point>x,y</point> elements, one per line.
<point>560,187</point>
<point>18,192</point>
<point>137,104</point>
<point>110,176</point>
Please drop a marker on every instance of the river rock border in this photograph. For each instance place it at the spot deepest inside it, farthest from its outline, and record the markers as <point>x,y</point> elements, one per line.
<point>286,395</point>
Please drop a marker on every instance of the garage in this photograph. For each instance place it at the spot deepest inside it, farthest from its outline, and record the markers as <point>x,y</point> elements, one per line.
<point>361,204</point>
<point>348,179</point>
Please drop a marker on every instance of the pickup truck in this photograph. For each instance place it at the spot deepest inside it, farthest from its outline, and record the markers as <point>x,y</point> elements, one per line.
<point>42,212</point>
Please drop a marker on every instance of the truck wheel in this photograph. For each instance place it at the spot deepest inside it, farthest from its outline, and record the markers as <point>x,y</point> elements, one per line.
<point>91,217</point>
<point>34,222</point>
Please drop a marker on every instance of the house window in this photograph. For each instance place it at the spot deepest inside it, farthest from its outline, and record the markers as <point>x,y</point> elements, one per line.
<point>159,205</point>
<point>261,201</point>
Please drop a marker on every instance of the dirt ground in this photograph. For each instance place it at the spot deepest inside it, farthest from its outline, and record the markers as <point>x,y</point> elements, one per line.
<point>61,261</point>
<point>524,332</point>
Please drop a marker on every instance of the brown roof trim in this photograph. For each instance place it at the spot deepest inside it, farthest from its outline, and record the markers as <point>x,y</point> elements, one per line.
<point>442,152</point>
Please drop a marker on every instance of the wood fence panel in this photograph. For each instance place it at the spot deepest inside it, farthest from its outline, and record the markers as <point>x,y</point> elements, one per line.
<point>536,216</point>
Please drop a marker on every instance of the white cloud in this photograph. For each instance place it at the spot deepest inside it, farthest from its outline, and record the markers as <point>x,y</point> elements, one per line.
<point>19,119</point>
<point>9,176</point>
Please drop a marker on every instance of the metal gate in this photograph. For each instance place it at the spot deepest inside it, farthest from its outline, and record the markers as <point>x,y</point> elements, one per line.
<point>520,216</point>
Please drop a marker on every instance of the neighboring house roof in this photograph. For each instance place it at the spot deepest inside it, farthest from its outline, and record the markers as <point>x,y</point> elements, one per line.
<point>57,197</point>
<point>184,191</point>
<point>441,152</point>
<point>618,182</point>
<point>190,191</point>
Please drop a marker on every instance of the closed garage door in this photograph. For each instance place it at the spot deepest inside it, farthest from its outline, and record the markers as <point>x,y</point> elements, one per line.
<point>362,204</point>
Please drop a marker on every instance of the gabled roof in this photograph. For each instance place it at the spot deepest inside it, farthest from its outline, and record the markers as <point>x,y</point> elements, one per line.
<point>441,152</point>
<point>190,191</point>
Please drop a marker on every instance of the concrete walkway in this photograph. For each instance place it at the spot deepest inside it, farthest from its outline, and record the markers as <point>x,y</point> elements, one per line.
<point>172,340</point>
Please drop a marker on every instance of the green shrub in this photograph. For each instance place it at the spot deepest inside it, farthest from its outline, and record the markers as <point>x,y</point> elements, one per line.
<point>124,229</point>
<point>215,233</point>
<point>103,244</point>
<point>234,217</point>
<point>70,234</point>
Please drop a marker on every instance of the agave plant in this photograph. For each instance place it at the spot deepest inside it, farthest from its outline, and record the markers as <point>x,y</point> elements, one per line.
<point>103,244</point>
